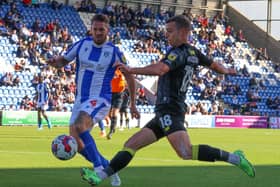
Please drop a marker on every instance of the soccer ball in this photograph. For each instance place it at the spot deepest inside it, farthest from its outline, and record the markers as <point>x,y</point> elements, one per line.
<point>64,147</point>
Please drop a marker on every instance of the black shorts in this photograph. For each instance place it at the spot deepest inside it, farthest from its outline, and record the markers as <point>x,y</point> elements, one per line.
<point>124,109</point>
<point>116,101</point>
<point>164,124</point>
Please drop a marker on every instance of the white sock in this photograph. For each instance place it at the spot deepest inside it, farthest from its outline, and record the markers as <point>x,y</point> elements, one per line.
<point>99,168</point>
<point>102,174</point>
<point>233,159</point>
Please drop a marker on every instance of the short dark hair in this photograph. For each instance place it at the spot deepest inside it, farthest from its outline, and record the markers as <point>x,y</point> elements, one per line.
<point>100,17</point>
<point>181,21</point>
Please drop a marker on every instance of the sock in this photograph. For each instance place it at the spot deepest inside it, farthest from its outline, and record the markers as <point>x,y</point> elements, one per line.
<point>120,160</point>
<point>39,122</point>
<point>127,122</point>
<point>104,161</point>
<point>84,153</point>
<point>101,125</point>
<point>121,122</point>
<point>90,149</point>
<point>49,123</point>
<point>113,124</point>
<point>233,159</point>
<point>208,153</point>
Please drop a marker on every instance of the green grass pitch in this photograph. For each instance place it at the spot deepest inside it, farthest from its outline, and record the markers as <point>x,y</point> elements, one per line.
<point>26,160</point>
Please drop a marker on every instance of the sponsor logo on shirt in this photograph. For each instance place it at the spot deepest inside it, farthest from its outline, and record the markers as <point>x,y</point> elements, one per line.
<point>193,60</point>
<point>172,57</point>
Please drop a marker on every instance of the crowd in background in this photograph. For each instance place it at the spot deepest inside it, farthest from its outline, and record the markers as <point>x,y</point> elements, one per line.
<point>40,42</point>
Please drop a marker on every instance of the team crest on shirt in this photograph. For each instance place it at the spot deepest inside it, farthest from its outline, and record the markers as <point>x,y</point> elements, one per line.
<point>106,54</point>
<point>172,57</point>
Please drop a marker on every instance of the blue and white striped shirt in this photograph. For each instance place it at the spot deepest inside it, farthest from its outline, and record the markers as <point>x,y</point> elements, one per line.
<point>43,92</point>
<point>94,70</point>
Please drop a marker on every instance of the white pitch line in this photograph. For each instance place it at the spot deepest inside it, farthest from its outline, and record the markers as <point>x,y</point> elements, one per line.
<point>25,152</point>
<point>44,153</point>
<point>136,158</point>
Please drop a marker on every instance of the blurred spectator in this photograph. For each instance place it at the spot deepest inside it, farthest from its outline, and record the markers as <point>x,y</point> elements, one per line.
<point>261,54</point>
<point>35,80</point>
<point>3,30</point>
<point>253,97</point>
<point>26,103</point>
<point>228,30</point>
<point>262,84</point>
<point>234,103</point>
<point>116,38</point>
<point>245,71</point>
<point>14,37</point>
<point>65,36</point>
<point>147,12</point>
<point>270,103</point>
<point>16,81</point>
<point>213,110</point>
<point>253,83</point>
<point>18,67</point>
<point>69,97</point>
<point>36,26</point>
<point>56,5</point>
<point>240,36</point>
<point>141,97</point>
<point>7,79</point>
<point>26,2</point>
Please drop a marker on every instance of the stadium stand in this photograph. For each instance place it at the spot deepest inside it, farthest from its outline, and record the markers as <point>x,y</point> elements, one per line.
<point>44,31</point>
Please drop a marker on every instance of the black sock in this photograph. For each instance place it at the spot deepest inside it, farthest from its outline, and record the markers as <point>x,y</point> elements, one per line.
<point>127,122</point>
<point>208,153</point>
<point>113,124</point>
<point>120,161</point>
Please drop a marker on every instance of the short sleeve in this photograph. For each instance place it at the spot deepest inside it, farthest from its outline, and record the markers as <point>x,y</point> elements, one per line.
<point>71,53</point>
<point>173,58</point>
<point>120,57</point>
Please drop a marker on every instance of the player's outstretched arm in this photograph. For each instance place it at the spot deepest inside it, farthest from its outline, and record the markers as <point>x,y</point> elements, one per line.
<point>153,69</point>
<point>57,62</point>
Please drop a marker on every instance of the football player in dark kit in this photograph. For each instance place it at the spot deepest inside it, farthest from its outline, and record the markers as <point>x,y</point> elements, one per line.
<point>175,71</point>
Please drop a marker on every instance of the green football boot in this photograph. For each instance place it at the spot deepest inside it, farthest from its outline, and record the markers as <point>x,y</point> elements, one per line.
<point>90,176</point>
<point>244,164</point>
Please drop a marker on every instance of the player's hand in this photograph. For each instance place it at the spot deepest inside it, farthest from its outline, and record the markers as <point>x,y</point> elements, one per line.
<point>123,68</point>
<point>134,112</point>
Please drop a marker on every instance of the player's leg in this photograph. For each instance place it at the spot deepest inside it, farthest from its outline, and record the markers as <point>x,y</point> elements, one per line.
<point>180,141</point>
<point>46,118</point>
<point>146,136</point>
<point>114,118</point>
<point>211,154</point>
<point>102,128</point>
<point>115,108</point>
<point>121,118</point>
<point>126,119</point>
<point>39,118</point>
<point>82,122</point>
<point>80,129</point>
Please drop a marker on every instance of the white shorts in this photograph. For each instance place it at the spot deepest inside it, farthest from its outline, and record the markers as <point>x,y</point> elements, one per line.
<point>98,109</point>
<point>42,105</point>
